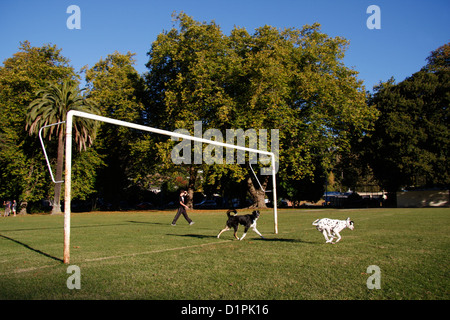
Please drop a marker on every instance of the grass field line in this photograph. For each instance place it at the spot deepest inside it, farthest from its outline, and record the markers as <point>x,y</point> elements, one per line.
<point>10,260</point>
<point>28,269</point>
<point>154,251</point>
<point>119,256</point>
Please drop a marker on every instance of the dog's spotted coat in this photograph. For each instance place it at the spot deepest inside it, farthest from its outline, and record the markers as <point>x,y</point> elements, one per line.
<point>332,228</point>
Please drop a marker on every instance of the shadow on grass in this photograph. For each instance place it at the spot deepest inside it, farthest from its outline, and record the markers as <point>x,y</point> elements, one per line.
<point>146,222</point>
<point>198,236</point>
<point>203,236</point>
<point>284,240</point>
<point>31,248</point>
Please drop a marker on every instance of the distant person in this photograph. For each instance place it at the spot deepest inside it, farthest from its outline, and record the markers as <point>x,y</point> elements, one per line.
<point>182,207</point>
<point>7,205</point>
<point>14,207</point>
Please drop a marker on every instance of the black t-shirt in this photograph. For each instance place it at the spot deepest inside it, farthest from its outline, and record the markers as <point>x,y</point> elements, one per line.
<point>182,200</point>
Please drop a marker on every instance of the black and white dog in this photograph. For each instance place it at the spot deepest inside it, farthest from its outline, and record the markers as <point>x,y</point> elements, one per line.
<point>328,226</point>
<point>248,221</point>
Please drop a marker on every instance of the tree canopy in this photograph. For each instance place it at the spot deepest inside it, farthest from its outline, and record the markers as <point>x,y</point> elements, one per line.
<point>51,107</point>
<point>293,81</point>
<point>22,166</point>
<point>411,142</point>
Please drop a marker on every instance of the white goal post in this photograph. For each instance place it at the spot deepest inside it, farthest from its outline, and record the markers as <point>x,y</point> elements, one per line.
<point>68,176</point>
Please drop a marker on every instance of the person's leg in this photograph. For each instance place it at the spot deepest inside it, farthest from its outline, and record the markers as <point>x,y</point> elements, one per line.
<point>177,215</point>
<point>184,213</point>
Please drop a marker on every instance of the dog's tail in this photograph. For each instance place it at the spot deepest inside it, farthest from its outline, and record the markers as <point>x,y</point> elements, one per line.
<point>231,210</point>
<point>316,222</point>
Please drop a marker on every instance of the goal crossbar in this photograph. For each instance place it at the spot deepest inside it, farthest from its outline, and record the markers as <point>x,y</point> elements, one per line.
<point>68,162</point>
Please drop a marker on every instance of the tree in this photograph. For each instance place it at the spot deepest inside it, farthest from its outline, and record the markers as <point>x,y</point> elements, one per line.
<point>295,81</point>
<point>52,106</point>
<point>411,142</point>
<point>291,80</point>
<point>117,89</point>
<point>186,79</point>
<point>22,165</point>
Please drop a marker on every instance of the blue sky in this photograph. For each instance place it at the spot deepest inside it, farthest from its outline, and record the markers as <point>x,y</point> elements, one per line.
<point>410,29</point>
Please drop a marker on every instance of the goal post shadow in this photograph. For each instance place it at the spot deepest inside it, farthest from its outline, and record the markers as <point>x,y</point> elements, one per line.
<point>68,163</point>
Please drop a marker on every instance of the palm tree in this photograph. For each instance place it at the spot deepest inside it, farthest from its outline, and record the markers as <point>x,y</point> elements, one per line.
<point>52,106</point>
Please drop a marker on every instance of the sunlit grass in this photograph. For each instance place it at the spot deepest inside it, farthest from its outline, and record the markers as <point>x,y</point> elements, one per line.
<point>139,255</point>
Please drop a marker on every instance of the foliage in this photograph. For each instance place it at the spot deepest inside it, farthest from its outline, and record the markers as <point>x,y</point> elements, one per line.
<point>51,107</point>
<point>292,80</point>
<point>411,142</point>
<point>117,89</point>
<point>187,78</point>
<point>23,172</point>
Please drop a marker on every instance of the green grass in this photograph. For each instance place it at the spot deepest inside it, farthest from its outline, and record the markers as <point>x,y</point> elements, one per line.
<point>138,255</point>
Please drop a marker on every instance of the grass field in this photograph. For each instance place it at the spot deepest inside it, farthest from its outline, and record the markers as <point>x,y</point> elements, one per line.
<point>138,255</point>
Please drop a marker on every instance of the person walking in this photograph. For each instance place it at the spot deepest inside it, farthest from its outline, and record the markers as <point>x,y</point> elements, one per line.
<point>182,207</point>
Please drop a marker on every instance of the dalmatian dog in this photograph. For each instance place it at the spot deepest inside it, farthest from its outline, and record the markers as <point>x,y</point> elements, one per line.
<point>332,227</point>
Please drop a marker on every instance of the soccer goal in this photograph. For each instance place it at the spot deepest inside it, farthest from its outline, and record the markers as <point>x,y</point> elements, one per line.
<point>68,175</point>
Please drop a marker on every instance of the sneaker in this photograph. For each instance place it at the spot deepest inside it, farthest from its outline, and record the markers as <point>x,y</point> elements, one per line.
<point>191,223</point>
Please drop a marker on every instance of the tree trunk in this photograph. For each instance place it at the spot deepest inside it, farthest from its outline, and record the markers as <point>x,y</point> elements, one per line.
<point>23,207</point>
<point>258,195</point>
<point>191,186</point>
<point>59,170</point>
